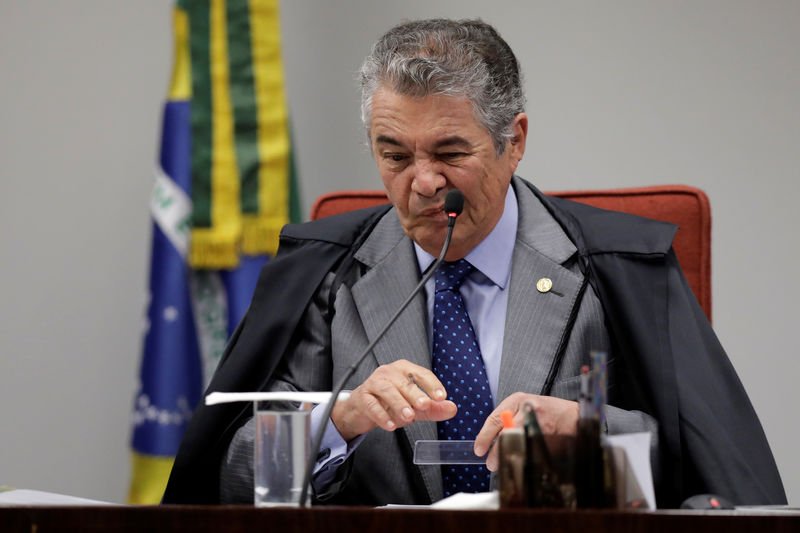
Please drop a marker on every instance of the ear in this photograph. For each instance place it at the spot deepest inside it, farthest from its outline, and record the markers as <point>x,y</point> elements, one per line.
<point>519,129</point>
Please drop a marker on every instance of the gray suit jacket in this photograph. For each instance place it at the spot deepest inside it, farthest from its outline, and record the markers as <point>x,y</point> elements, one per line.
<point>380,470</point>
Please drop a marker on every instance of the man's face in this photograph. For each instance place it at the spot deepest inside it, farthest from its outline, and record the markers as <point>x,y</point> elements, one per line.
<point>425,147</point>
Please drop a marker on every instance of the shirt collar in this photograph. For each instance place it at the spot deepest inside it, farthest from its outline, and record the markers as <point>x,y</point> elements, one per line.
<point>492,256</point>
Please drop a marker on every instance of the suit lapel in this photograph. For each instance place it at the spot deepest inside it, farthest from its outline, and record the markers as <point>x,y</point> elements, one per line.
<point>535,321</point>
<point>392,274</point>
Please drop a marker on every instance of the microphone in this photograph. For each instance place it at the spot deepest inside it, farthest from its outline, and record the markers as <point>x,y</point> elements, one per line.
<point>453,205</point>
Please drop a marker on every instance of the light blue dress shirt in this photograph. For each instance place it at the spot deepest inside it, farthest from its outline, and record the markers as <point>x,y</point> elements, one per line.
<point>484,292</point>
<point>486,298</point>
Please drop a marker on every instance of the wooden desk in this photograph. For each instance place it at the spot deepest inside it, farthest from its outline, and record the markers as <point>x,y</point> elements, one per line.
<point>367,520</point>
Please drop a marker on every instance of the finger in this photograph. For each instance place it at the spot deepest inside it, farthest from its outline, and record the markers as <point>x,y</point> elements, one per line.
<point>421,380</point>
<point>438,411</point>
<point>389,416</point>
<point>391,399</point>
<point>492,460</point>
<point>486,435</point>
<point>415,394</point>
<point>490,430</point>
<point>519,417</point>
<point>372,408</point>
<point>494,422</point>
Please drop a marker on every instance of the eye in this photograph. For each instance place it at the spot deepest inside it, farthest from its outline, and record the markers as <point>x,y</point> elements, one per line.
<point>450,156</point>
<point>395,161</point>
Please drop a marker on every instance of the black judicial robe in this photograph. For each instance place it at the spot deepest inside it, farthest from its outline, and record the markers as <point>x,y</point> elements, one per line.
<point>671,364</point>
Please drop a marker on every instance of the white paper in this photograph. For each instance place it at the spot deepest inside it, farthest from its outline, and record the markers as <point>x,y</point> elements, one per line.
<point>287,396</point>
<point>484,501</point>
<point>487,501</point>
<point>17,497</point>
<point>637,449</point>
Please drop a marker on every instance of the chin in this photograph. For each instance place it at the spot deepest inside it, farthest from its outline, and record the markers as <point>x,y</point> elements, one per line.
<point>430,236</point>
<point>430,240</point>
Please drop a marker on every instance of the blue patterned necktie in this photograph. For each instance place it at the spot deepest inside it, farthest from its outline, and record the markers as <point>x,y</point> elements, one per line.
<point>458,364</point>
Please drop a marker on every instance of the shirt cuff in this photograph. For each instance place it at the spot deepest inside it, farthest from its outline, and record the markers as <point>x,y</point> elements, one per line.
<point>333,451</point>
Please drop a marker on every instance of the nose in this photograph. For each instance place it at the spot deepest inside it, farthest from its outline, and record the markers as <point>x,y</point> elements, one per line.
<point>427,179</point>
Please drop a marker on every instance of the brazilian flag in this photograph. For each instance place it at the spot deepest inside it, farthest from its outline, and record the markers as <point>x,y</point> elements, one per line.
<point>224,186</point>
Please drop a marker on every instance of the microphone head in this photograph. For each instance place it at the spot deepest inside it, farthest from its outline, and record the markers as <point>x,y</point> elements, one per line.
<point>454,202</point>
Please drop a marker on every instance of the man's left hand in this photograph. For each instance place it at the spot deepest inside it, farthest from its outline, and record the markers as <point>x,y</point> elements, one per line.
<point>556,417</point>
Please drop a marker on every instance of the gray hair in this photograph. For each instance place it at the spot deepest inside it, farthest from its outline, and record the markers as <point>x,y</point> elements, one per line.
<point>464,58</point>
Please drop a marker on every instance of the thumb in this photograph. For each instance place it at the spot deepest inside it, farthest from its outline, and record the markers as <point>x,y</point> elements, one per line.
<point>438,411</point>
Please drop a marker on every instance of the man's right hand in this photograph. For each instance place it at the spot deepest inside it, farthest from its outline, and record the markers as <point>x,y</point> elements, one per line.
<point>394,396</point>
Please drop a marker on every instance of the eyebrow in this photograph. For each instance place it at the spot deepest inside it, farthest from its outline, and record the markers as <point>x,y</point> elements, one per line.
<point>453,140</point>
<point>385,139</point>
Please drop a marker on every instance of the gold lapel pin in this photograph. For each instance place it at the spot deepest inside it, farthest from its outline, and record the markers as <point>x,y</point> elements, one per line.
<point>544,285</point>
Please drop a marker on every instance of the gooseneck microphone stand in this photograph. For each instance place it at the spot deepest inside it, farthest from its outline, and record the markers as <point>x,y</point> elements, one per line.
<point>453,205</point>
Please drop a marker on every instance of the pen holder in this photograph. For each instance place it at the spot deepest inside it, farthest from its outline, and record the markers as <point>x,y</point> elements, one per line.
<point>550,471</point>
<point>595,478</point>
<point>555,471</point>
<point>511,471</point>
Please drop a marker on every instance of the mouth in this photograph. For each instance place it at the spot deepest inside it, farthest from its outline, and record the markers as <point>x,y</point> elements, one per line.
<point>433,212</point>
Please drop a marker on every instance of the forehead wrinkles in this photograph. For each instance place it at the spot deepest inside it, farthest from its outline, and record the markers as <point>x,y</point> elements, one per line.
<point>431,121</point>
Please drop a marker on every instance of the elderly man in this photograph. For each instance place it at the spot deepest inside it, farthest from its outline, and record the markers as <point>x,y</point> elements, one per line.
<point>444,109</point>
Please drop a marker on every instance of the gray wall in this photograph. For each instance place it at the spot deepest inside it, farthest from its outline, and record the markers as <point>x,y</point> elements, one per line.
<point>622,93</point>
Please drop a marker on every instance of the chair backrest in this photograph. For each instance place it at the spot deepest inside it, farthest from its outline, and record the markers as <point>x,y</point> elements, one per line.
<point>684,206</point>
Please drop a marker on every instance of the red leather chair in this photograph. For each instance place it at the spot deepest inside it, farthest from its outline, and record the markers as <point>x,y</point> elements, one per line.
<point>684,206</point>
